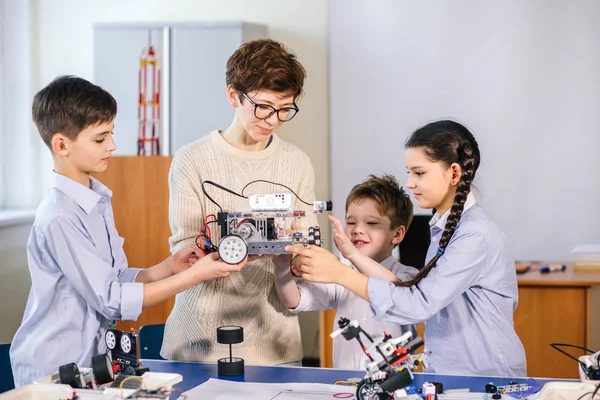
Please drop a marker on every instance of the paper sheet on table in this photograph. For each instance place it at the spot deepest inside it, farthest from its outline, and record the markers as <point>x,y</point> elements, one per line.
<point>216,389</point>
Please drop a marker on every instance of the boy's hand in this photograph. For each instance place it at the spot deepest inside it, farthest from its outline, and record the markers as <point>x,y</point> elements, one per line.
<point>295,267</point>
<point>342,242</point>
<point>209,268</point>
<point>282,261</point>
<point>183,259</point>
<point>279,260</point>
<point>317,264</point>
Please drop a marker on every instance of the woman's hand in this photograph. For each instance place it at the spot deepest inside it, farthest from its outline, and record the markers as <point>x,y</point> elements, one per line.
<point>183,259</point>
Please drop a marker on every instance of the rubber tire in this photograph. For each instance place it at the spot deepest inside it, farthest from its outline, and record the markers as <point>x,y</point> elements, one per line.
<point>230,368</point>
<point>230,334</point>
<point>69,375</point>
<point>359,394</point>
<point>102,369</point>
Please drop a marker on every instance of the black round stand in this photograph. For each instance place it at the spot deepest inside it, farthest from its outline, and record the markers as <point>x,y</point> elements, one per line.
<point>230,366</point>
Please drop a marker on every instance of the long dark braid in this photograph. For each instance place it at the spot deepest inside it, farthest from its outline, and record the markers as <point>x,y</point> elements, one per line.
<point>456,139</point>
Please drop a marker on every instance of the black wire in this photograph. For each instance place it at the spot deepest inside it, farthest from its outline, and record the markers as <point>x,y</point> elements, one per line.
<point>595,391</point>
<point>222,188</point>
<point>554,346</point>
<point>362,346</point>
<point>592,393</point>
<point>366,334</point>
<point>275,183</point>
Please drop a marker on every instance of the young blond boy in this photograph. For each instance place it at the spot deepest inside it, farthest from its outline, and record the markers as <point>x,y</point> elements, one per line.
<point>378,213</point>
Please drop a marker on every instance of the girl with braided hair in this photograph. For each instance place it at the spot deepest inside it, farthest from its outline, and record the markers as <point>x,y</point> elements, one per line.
<point>466,294</point>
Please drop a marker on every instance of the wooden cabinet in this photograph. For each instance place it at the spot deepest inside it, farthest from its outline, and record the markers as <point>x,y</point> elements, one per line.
<point>559,307</point>
<point>140,203</point>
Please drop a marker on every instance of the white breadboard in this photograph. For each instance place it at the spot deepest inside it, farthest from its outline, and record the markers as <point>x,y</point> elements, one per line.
<point>45,390</point>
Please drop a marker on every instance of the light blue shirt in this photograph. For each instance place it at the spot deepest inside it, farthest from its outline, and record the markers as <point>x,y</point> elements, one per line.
<point>79,281</point>
<point>467,301</point>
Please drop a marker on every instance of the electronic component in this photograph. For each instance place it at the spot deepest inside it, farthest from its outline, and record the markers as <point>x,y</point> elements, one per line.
<point>270,201</point>
<point>391,375</point>
<point>322,206</point>
<point>259,232</point>
<point>122,347</point>
<point>264,229</point>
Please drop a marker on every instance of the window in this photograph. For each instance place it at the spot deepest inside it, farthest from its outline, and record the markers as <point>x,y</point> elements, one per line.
<point>18,150</point>
<point>2,141</point>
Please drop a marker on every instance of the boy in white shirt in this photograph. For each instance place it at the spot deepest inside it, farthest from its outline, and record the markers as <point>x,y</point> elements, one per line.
<point>378,213</point>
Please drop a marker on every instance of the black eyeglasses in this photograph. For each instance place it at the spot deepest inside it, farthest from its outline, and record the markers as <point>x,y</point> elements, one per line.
<point>264,111</point>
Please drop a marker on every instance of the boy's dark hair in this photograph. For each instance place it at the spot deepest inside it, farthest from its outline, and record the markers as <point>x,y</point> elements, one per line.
<point>265,64</point>
<point>447,142</point>
<point>391,200</point>
<point>70,104</point>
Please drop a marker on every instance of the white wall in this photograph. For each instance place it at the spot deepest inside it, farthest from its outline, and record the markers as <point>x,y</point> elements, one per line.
<point>524,76</point>
<point>63,45</point>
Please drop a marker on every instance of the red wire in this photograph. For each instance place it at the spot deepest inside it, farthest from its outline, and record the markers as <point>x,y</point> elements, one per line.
<point>244,220</point>
<point>206,227</point>
<point>343,395</point>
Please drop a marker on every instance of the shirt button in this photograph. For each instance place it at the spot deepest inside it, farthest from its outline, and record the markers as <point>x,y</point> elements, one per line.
<point>364,320</point>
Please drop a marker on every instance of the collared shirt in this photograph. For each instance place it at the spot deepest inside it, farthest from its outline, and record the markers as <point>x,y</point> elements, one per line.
<point>347,354</point>
<point>467,300</point>
<point>79,281</point>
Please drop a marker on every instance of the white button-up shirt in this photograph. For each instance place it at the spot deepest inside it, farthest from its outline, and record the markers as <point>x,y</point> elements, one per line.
<point>347,354</point>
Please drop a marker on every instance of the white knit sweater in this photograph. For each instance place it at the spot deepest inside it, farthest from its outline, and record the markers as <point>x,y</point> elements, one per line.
<point>247,298</point>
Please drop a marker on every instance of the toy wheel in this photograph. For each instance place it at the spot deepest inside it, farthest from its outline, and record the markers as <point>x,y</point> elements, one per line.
<point>111,340</point>
<point>102,368</point>
<point>363,391</point>
<point>69,375</point>
<point>367,391</point>
<point>128,370</point>
<point>233,249</point>
<point>126,343</point>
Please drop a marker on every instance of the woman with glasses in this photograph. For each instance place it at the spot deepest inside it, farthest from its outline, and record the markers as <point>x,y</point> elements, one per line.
<point>264,82</point>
